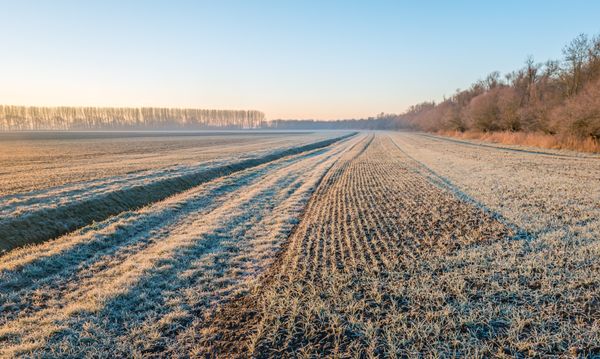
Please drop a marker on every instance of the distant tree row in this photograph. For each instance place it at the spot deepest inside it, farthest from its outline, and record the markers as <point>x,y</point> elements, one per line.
<point>21,118</point>
<point>381,122</point>
<point>555,97</point>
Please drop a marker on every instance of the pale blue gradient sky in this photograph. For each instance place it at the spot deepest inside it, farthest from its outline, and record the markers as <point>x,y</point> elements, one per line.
<point>290,59</point>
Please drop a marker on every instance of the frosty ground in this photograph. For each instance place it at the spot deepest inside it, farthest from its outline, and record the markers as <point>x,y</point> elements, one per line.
<point>383,244</point>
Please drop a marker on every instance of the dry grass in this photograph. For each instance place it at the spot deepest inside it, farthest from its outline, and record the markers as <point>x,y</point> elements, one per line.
<point>531,139</point>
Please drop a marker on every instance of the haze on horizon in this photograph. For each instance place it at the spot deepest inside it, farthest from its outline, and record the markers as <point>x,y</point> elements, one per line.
<point>321,60</point>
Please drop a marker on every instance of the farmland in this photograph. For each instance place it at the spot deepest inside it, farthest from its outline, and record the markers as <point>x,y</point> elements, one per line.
<point>297,244</point>
<point>116,172</point>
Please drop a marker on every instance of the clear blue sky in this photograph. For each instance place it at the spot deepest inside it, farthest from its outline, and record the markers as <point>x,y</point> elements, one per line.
<point>290,59</point>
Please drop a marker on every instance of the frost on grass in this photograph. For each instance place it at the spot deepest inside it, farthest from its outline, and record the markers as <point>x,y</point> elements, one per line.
<point>408,247</point>
<point>37,216</point>
<point>390,260</point>
<point>33,163</point>
<point>134,283</point>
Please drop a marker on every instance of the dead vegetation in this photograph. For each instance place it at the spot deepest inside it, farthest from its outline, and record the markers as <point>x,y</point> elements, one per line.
<point>554,104</point>
<point>531,139</point>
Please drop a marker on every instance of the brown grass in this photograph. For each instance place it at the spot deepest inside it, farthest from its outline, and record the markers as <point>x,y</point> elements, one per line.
<point>532,139</point>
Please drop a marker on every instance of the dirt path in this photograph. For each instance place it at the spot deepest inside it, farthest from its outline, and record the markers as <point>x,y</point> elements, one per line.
<point>362,275</point>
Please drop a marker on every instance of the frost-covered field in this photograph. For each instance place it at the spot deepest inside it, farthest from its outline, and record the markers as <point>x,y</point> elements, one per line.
<point>384,244</point>
<point>134,282</point>
<point>40,160</point>
<point>120,172</point>
<point>416,246</point>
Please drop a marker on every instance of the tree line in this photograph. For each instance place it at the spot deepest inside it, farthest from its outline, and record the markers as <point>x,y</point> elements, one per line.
<point>22,118</point>
<point>554,97</point>
<point>380,122</point>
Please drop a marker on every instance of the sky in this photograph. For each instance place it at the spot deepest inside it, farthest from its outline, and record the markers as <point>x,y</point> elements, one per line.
<point>290,59</point>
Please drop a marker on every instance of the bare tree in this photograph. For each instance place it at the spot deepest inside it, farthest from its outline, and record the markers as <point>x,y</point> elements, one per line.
<point>576,54</point>
<point>18,118</point>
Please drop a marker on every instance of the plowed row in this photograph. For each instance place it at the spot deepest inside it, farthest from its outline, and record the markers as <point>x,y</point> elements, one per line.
<point>361,275</point>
